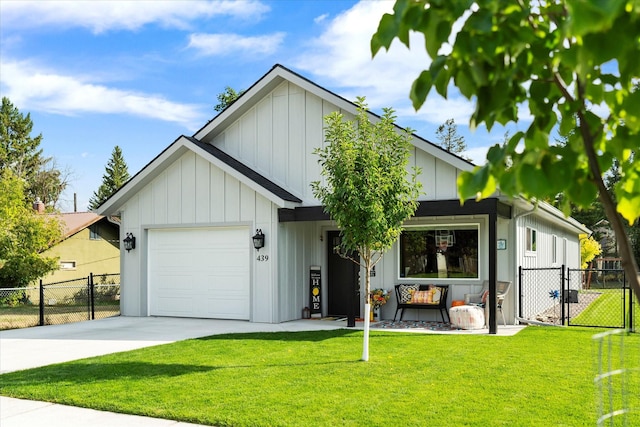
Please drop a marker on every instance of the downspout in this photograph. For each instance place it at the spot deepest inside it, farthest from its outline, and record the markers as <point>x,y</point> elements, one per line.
<point>518,301</point>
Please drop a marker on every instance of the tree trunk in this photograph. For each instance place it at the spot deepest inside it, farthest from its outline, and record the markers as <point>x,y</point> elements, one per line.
<point>624,244</point>
<point>367,306</point>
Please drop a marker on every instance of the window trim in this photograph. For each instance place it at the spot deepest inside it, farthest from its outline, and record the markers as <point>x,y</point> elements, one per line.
<point>530,241</point>
<point>416,227</point>
<point>62,264</point>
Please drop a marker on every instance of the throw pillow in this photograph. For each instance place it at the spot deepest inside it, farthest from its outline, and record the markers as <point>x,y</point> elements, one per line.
<point>406,292</point>
<point>485,294</point>
<point>437,293</point>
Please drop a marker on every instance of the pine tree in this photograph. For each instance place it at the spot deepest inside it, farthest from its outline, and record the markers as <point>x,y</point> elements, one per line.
<point>447,133</point>
<point>116,175</point>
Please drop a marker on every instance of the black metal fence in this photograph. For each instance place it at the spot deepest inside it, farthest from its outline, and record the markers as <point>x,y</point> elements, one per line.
<point>573,297</point>
<point>93,297</point>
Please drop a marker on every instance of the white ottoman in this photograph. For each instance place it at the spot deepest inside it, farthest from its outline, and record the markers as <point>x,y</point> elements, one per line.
<point>467,317</point>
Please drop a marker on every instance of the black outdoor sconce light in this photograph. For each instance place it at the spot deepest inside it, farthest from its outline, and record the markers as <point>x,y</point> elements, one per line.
<point>129,242</point>
<point>258,239</point>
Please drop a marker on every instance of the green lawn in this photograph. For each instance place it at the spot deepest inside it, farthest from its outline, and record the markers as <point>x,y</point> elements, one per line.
<point>607,310</point>
<point>539,377</point>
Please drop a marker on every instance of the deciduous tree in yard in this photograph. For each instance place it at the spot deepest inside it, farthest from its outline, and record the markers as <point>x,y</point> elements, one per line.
<point>366,188</point>
<point>572,63</point>
<point>24,235</point>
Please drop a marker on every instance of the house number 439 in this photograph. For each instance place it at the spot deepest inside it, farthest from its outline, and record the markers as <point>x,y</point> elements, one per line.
<point>263,258</point>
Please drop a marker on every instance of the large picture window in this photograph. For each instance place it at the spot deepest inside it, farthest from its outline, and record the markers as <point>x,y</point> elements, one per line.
<point>444,251</point>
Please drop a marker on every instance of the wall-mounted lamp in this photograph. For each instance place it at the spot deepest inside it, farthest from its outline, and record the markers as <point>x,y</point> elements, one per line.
<point>129,242</point>
<point>258,239</point>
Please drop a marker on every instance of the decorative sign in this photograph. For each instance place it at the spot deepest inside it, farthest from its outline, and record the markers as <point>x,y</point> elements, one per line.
<point>502,244</point>
<point>314,281</point>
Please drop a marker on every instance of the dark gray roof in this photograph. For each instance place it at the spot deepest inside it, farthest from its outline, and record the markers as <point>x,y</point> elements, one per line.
<point>246,171</point>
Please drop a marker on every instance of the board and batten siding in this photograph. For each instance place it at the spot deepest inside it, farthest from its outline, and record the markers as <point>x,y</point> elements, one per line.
<point>192,192</point>
<point>277,138</point>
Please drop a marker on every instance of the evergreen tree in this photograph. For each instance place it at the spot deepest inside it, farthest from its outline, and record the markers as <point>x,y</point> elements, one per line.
<point>116,175</point>
<point>21,154</point>
<point>447,134</point>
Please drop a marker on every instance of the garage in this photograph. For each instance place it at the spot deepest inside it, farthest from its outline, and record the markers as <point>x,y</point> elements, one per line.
<point>199,272</point>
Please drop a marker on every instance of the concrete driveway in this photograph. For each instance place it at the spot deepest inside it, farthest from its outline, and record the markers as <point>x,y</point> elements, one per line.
<point>45,345</point>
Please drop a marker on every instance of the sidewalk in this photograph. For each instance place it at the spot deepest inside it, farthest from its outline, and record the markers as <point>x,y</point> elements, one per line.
<point>28,413</point>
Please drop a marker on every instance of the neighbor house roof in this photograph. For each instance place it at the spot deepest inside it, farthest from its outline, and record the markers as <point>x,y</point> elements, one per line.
<point>76,221</point>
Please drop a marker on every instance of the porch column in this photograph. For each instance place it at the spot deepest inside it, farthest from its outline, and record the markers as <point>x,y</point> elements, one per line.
<point>493,268</point>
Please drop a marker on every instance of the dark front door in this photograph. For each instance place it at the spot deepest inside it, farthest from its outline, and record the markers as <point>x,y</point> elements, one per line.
<point>342,283</point>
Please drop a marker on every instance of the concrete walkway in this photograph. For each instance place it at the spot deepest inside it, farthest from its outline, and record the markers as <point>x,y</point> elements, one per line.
<point>45,345</point>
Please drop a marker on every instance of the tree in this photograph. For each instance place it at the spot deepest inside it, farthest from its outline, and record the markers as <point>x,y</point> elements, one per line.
<point>227,98</point>
<point>21,153</point>
<point>24,235</point>
<point>447,134</point>
<point>367,192</point>
<point>589,249</point>
<point>564,60</point>
<point>115,176</point>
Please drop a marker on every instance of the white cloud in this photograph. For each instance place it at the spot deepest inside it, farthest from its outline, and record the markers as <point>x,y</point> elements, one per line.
<point>234,44</point>
<point>341,58</point>
<point>102,15</point>
<point>43,90</point>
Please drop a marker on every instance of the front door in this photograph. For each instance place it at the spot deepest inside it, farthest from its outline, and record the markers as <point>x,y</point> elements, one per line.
<point>343,288</point>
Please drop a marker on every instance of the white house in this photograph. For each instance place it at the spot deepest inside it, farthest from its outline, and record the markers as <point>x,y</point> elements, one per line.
<point>195,207</point>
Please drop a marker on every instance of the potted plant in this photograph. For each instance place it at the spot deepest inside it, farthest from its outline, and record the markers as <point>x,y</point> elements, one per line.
<point>378,298</point>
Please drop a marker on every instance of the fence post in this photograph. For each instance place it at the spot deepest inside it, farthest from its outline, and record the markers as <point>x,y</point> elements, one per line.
<point>520,291</point>
<point>563,294</point>
<point>41,303</point>
<point>92,296</point>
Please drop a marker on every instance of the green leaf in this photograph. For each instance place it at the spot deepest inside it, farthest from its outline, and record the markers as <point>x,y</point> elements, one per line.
<point>478,184</point>
<point>592,16</point>
<point>420,89</point>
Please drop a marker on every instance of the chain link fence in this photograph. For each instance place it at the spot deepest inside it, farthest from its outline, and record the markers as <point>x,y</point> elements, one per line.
<point>87,298</point>
<point>594,297</point>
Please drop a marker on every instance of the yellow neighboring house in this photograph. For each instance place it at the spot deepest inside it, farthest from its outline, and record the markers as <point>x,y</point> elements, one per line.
<point>90,245</point>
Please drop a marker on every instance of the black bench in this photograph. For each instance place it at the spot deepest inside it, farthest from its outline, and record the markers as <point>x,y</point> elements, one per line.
<point>422,297</point>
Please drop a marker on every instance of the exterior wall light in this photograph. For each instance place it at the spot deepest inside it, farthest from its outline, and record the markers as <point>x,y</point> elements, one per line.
<point>129,242</point>
<point>258,239</point>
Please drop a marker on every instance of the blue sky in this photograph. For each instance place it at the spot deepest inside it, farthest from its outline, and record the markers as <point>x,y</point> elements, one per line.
<point>139,74</point>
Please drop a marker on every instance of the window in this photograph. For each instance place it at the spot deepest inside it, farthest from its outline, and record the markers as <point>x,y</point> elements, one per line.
<point>530,240</point>
<point>67,265</point>
<point>554,249</point>
<point>94,232</point>
<point>443,251</point>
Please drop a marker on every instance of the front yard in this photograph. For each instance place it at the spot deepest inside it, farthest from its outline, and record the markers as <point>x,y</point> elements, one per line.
<point>540,377</point>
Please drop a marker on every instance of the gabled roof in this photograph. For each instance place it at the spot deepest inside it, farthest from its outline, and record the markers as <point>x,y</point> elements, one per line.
<point>228,164</point>
<point>279,74</point>
<point>76,221</point>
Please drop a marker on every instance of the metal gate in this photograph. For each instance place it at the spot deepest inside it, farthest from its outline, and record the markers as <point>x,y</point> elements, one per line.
<point>574,297</point>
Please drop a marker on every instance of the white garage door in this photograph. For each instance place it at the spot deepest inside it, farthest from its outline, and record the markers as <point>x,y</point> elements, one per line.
<point>199,272</point>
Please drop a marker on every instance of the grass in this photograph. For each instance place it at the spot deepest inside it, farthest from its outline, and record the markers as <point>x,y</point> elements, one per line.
<point>539,377</point>
<point>607,311</point>
<point>24,316</point>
